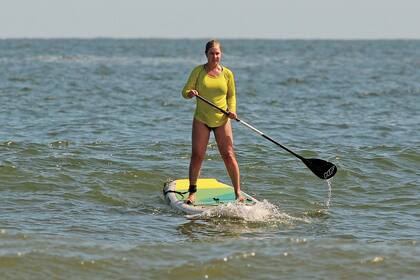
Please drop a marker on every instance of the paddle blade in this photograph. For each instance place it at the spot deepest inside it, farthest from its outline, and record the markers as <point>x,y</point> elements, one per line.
<point>321,168</point>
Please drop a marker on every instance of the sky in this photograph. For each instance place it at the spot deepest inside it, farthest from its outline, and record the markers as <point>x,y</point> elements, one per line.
<point>265,19</point>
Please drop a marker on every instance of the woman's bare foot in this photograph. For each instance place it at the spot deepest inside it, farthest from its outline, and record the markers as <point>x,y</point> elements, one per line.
<point>191,199</point>
<point>240,198</point>
<point>191,195</point>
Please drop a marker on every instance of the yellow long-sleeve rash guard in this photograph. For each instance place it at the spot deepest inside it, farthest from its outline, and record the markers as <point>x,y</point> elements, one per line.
<point>220,90</point>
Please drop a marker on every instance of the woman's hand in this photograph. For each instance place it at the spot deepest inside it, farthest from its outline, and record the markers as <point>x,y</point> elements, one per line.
<point>192,93</point>
<point>232,115</point>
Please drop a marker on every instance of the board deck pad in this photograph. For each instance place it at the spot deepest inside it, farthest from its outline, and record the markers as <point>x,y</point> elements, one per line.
<point>209,192</point>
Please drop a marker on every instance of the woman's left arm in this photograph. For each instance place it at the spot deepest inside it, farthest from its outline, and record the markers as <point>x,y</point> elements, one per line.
<point>231,95</point>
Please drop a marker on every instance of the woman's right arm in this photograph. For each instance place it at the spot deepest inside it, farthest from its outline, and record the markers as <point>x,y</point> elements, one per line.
<point>189,89</point>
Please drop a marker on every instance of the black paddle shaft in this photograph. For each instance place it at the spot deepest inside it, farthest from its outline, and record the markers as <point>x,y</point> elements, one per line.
<point>321,168</point>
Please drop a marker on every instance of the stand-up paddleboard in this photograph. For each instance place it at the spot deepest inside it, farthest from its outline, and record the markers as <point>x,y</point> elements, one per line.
<point>210,193</point>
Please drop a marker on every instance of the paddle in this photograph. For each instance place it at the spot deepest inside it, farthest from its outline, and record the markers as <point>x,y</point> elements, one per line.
<point>321,168</point>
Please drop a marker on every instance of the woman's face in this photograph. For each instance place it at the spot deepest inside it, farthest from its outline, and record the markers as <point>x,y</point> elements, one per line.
<point>214,55</point>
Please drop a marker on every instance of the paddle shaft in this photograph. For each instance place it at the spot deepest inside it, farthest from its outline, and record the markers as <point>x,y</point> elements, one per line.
<point>251,127</point>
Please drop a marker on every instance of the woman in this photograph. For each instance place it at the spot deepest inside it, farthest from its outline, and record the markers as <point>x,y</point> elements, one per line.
<point>215,83</point>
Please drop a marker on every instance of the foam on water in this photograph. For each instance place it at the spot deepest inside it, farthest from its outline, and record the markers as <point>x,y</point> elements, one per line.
<point>328,201</point>
<point>263,211</point>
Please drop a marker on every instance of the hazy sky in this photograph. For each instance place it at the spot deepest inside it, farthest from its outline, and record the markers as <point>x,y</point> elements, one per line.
<point>204,19</point>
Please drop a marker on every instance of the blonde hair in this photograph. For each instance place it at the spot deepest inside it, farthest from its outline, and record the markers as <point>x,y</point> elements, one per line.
<point>211,44</point>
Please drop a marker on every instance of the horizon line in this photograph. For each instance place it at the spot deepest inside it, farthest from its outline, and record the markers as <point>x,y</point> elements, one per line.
<point>211,37</point>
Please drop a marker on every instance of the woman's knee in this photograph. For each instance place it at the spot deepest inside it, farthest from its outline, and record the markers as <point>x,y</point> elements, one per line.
<point>228,156</point>
<point>197,156</point>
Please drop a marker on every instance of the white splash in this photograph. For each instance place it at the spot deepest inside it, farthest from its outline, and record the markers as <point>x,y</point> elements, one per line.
<point>328,201</point>
<point>262,211</point>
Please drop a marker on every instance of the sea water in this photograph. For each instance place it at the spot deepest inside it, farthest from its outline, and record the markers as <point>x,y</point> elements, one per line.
<point>91,129</point>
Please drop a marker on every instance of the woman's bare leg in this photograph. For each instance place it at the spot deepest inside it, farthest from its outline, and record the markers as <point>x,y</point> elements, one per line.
<point>200,140</point>
<point>224,139</point>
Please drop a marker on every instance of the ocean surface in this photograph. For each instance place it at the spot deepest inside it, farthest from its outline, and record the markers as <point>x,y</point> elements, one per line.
<point>90,130</point>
